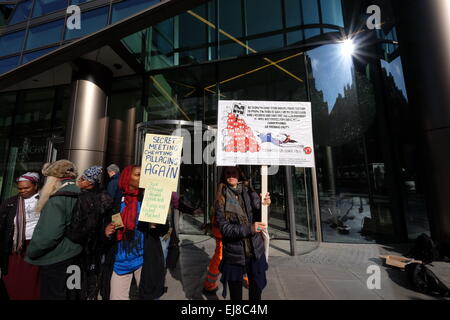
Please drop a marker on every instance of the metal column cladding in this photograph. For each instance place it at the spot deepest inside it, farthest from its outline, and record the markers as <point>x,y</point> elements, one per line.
<point>86,136</point>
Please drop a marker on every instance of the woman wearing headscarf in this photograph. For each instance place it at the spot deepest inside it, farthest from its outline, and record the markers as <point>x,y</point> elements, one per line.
<point>136,248</point>
<point>97,205</point>
<point>18,219</point>
<point>238,210</point>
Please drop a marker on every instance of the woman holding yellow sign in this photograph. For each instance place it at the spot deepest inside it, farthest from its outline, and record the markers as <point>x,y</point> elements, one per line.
<point>136,248</point>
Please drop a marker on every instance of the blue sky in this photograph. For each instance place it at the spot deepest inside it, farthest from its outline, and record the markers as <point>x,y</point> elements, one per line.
<point>333,71</point>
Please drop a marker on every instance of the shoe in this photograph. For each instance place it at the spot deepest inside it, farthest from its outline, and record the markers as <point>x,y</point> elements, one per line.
<point>212,291</point>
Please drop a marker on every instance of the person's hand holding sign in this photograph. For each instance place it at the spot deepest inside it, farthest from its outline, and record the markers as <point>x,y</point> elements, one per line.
<point>266,201</point>
<point>110,229</point>
<point>258,227</point>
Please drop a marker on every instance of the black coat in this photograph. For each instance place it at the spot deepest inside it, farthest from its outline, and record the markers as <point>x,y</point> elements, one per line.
<point>233,233</point>
<point>153,270</point>
<point>8,211</point>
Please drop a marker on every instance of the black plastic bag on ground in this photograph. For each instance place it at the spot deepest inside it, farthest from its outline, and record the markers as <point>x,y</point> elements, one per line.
<point>425,281</point>
<point>424,249</point>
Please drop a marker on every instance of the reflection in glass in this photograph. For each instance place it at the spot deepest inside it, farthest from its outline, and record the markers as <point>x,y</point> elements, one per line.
<point>263,16</point>
<point>310,12</point>
<point>7,102</point>
<point>42,7</point>
<point>351,171</point>
<point>8,64</point>
<point>11,43</point>
<point>395,69</point>
<point>332,12</point>
<point>36,54</point>
<point>127,8</point>
<point>45,34</point>
<point>22,12</point>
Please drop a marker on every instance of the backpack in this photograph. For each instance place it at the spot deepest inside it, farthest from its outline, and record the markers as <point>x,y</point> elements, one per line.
<point>85,216</point>
<point>424,249</point>
<point>424,280</point>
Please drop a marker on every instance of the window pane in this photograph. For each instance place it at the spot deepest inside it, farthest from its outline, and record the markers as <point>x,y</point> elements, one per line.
<point>8,103</point>
<point>230,13</point>
<point>44,34</point>
<point>332,12</point>
<point>263,16</point>
<point>36,112</point>
<point>127,8</point>
<point>267,43</point>
<point>42,7</point>
<point>36,54</point>
<point>5,13</point>
<point>22,12</point>
<point>293,10</point>
<point>91,21</point>
<point>310,33</point>
<point>310,12</point>
<point>8,64</point>
<point>11,43</point>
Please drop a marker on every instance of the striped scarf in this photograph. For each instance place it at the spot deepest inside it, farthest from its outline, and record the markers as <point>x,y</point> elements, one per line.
<point>235,210</point>
<point>19,227</point>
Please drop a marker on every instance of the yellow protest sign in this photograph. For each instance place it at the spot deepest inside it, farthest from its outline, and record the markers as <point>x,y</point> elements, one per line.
<point>160,172</point>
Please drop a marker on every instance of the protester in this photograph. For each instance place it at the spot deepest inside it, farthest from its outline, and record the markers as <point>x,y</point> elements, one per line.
<point>18,219</point>
<point>136,248</point>
<point>238,208</point>
<point>113,185</point>
<point>49,247</point>
<point>97,206</point>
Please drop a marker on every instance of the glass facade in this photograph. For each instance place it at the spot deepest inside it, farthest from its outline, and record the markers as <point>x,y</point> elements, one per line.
<point>53,32</point>
<point>369,187</point>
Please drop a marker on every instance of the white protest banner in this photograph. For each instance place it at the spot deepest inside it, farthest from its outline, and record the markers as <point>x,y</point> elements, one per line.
<point>265,133</point>
<point>160,172</point>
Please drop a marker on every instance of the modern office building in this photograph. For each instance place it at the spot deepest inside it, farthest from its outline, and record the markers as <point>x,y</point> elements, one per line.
<point>379,94</point>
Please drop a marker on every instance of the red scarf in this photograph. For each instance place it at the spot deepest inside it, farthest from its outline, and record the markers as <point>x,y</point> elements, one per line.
<point>129,212</point>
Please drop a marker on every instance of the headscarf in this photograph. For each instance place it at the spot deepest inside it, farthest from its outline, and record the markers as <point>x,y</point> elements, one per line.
<point>93,174</point>
<point>129,212</point>
<point>29,176</point>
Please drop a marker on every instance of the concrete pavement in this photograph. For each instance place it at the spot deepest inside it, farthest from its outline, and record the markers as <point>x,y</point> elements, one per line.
<point>331,271</point>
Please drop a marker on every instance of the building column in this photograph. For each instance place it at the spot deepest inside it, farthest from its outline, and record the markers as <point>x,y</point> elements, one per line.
<point>87,125</point>
<point>424,37</point>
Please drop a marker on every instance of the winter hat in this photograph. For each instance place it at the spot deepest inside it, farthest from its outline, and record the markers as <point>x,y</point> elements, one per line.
<point>60,169</point>
<point>113,167</point>
<point>29,176</point>
<point>93,174</point>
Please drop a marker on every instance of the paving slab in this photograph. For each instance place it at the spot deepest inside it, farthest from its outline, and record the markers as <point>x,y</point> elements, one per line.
<point>330,271</point>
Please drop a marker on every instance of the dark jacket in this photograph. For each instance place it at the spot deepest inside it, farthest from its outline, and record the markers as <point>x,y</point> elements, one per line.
<point>113,188</point>
<point>233,233</point>
<point>94,245</point>
<point>49,244</point>
<point>8,211</point>
<point>153,270</point>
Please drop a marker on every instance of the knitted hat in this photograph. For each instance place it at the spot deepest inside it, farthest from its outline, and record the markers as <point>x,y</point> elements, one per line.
<point>113,167</point>
<point>60,169</point>
<point>93,174</point>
